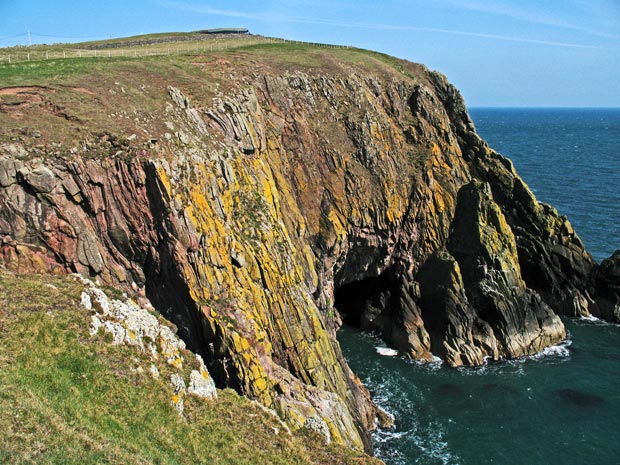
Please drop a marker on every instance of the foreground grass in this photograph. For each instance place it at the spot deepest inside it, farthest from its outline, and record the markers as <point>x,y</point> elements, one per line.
<point>68,398</point>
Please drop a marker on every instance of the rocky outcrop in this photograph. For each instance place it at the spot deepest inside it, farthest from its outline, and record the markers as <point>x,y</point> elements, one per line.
<point>264,209</point>
<point>605,287</point>
<point>552,258</point>
<point>128,323</point>
<point>489,309</point>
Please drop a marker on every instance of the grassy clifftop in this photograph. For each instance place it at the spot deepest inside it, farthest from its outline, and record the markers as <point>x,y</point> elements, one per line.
<point>68,397</point>
<point>118,87</point>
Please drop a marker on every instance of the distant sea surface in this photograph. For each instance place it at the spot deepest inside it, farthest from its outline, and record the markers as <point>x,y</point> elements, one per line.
<point>559,407</point>
<point>570,158</point>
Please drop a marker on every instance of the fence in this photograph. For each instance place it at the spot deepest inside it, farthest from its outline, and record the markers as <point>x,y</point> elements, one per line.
<point>39,55</point>
<point>20,56</point>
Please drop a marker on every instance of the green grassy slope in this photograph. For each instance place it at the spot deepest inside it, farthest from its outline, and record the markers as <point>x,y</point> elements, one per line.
<point>69,398</point>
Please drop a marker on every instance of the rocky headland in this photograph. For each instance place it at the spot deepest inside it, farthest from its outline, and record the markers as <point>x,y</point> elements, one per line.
<point>256,198</point>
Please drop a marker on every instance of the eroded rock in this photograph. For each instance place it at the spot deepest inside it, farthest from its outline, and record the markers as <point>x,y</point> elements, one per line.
<point>243,228</point>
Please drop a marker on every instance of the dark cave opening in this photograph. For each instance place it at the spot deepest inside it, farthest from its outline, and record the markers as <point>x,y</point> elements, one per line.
<point>366,304</point>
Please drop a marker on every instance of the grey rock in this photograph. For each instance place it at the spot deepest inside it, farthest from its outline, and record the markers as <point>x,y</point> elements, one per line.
<point>17,151</point>
<point>177,383</point>
<point>178,97</point>
<point>318,425</point>
<point>183,138</point>
<point>8,171</point>
<point>201,384</point>
<point>71,188</point>
<point>41,178</point>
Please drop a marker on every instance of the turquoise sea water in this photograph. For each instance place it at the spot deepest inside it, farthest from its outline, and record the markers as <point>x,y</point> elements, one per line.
<point>560,407</point>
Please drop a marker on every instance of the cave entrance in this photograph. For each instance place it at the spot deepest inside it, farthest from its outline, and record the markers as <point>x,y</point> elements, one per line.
<point>367,304</point>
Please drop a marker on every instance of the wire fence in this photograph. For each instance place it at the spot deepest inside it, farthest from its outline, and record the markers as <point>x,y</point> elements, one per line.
<point>20,56</point>
<point>55,54</point>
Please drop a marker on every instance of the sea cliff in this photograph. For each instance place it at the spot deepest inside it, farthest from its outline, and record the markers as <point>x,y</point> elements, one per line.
<point>255,196</point>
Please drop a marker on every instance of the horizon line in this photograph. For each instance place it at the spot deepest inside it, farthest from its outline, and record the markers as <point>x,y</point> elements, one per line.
<point>543,107</point>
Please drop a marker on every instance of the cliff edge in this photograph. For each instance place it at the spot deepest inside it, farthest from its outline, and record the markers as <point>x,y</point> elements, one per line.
<point>256,195</point>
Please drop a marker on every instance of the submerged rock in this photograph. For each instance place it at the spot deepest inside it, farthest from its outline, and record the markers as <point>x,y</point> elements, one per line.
<point>579,398</point>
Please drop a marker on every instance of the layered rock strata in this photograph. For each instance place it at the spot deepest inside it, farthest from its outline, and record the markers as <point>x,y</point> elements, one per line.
<point>261,208</point>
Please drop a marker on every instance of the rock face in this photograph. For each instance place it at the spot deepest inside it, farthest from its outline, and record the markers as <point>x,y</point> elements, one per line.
<point>271,202</point>
<point>490,311</point>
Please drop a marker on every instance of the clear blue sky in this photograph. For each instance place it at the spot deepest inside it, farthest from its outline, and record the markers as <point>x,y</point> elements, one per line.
<point>497,52</point>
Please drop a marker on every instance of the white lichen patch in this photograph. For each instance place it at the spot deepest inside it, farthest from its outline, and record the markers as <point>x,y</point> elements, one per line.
<point>317,424</point>
<point>200,382</point>
<point>177,383</point>
<point>131,324</point>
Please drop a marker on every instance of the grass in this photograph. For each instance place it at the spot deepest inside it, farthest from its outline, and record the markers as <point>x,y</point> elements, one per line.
<point>51,71</point>
<point>129,47</point>
<point>68,398</point>
<point>82,98</point>
<point>47,61</point>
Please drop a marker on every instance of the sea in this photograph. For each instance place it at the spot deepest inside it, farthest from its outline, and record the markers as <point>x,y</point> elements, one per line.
<point>561,406</point>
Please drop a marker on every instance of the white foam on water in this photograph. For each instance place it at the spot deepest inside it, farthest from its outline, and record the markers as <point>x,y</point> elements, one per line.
<point>386,435</point>
<point>434,445</point>
<point>386,351</point>
<point>559,350</point>
<point>591,319</point>
<point>433,365</point>
<point>428,439</point>
<point>477,370</point>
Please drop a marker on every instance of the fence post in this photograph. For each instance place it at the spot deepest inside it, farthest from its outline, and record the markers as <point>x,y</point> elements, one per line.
<point>46,55</point>
<point>80,53</point>
<point>63,54</point>
<point>9,59</point>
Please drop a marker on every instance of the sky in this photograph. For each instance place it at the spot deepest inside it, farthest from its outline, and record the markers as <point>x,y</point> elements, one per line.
<point>532,53</point>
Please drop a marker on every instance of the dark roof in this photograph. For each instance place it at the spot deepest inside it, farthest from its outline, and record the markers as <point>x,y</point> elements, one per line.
<point>225,30</point>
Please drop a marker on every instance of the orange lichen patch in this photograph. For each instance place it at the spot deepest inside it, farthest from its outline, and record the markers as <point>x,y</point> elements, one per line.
<point>163,177</point>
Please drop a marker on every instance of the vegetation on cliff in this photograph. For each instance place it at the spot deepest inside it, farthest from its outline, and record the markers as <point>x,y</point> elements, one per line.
<point>253,193</point>
<point>69,397</point>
